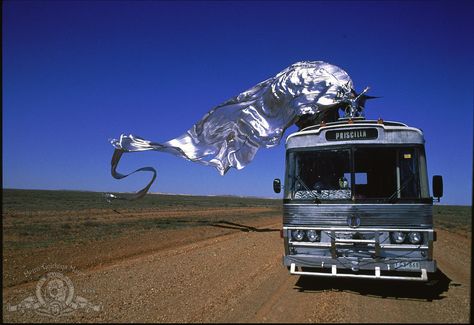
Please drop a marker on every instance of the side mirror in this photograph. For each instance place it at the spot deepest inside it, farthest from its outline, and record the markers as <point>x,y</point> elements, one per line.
<point>277,185</point>
<point>437,186</point>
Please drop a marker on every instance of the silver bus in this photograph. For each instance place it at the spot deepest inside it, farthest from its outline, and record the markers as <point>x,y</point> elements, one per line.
<point>356,201</point>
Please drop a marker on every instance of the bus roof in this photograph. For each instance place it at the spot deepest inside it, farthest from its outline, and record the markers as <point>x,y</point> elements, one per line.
<point>355,131</point>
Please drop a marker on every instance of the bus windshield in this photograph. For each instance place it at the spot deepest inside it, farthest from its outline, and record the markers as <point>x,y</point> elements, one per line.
<point>384,174</point>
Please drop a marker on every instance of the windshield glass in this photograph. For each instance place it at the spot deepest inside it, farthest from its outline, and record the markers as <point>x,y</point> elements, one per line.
<point>389,173</point>
<point>383,174</point>
<point>323,174</point>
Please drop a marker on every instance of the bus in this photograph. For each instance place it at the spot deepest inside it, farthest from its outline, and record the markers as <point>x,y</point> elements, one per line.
<point>356,201</point>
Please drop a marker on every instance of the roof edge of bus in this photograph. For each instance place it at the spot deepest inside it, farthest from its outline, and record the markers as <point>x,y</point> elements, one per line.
<point>315,129</point>
<point>345,121</point>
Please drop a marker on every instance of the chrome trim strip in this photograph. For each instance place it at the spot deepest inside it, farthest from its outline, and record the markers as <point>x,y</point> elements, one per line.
<point>342,240</point>
<point>382,246</point>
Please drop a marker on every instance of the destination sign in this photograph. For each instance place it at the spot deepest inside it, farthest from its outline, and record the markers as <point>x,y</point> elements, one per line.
<point>352,134</point>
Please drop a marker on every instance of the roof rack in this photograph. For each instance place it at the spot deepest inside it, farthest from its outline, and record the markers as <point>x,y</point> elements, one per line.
<point>353,120</point>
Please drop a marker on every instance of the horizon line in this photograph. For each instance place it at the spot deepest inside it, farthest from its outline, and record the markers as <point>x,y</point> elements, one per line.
<point>149,193</point>
<point>181,194</point>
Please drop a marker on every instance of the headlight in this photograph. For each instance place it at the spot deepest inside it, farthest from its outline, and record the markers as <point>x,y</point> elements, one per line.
<point>298,234</point>
<point>415,237</point>
<point>398,237</point>
<point>312,235</point>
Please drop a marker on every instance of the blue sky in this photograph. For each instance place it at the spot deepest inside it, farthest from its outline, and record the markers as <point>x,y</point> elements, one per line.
<point>77,73</point>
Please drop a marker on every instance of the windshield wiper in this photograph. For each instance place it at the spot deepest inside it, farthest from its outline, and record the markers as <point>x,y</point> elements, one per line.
<point>394,197</point>
<point>316,200</point>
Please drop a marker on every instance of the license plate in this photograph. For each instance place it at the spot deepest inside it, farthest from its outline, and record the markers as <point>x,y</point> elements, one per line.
<point>407,265</point>
<point>344,235</point>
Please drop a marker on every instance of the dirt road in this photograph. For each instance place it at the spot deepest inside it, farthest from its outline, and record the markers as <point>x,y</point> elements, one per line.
<point>237,276</point>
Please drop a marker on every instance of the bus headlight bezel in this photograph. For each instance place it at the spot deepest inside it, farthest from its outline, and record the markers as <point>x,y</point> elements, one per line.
<point>398,237</point>
<point>295,234</point>
<point>313,235</point>
<point>415,240</point>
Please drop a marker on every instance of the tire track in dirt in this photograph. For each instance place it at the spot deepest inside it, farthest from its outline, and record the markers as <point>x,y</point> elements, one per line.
<point>94,250</point>
<point>174,251</point>
<point>193,282</point>
<point>41,216</point>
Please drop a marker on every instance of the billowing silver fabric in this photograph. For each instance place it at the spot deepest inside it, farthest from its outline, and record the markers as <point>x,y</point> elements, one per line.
<point>230,134</point>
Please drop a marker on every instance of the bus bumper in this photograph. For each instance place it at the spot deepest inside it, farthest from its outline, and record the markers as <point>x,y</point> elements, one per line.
<point>323,266</point>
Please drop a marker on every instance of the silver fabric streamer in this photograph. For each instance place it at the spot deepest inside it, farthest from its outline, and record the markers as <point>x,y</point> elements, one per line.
<point>230,134</point>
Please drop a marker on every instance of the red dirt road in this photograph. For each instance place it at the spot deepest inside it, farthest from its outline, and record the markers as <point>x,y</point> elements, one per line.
<point>237,276</point>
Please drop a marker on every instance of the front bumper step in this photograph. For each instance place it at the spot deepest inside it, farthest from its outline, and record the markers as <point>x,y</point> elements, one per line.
<point>377,275</point>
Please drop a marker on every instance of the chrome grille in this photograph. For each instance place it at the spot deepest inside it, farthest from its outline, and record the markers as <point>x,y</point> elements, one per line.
<point>371,215</point>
